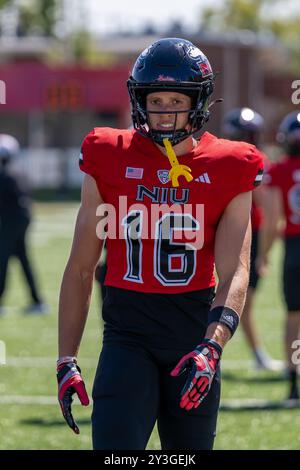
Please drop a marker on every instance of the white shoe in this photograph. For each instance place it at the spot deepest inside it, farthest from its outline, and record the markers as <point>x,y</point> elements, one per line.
<point>3,311</point>
<point>269,364</point>
<point>264,362</point>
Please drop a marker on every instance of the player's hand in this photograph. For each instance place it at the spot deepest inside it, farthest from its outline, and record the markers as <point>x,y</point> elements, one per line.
<point>69,382</point>
<point>201,365</point>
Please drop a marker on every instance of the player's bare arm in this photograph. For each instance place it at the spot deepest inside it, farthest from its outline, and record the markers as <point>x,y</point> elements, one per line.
<point>77,281</point>
<point>232,253</point>
<point>75,298</point>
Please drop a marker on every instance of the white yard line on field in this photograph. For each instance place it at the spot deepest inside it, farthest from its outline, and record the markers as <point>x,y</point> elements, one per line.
<point>35,361</point>
<point>28,400</point>
<point>257,404</point>
<point>226,405</point>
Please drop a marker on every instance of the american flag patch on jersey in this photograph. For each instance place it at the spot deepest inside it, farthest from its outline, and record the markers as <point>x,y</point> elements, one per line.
<point>136,173</point>
<point>259,178</point>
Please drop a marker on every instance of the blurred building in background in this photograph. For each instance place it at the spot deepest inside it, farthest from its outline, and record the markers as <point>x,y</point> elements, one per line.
<point>51,105</point>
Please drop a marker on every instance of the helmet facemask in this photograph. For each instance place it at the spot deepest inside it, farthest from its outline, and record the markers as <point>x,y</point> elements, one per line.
<point>197,115</point>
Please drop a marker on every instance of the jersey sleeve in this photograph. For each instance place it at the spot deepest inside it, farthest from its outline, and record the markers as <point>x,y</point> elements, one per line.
<point>253,169</point>
<point>89,159</point>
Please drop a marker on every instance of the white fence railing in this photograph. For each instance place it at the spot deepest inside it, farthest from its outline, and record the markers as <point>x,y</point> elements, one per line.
<point>50,168</point>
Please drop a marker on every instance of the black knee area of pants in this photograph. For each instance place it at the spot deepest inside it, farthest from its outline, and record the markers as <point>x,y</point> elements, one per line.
<point>125,396</point>
<point>291,273</point>
<point>253,275</point>
<point>189,430</point>
<point>133,388</point>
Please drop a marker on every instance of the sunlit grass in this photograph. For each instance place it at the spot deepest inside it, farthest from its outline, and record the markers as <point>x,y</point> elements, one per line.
<point>42,427</point>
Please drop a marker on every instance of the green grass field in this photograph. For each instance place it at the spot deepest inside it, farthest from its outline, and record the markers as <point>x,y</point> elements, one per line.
<point>29,415</point>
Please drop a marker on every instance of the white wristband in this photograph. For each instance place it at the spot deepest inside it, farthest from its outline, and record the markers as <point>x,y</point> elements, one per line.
<point>65,359</point>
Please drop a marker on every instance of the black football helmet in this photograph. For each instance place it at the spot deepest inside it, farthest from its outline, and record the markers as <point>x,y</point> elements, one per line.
<point>171,64</point>
<point>9,148</point>
<point>289,134</point>
<point>243,124</point>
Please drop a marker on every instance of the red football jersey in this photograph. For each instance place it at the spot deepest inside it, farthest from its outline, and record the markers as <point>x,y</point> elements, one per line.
<point>256,216</point>
<point>164,237</point>
<point>256,211</point>
<point>286,176</point>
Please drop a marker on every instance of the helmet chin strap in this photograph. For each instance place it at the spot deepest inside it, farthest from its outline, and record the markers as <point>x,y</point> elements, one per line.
<point>176,168</point>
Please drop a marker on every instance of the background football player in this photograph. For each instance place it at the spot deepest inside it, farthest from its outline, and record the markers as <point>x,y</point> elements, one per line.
<point>283,203</point>
<point>165,327</point>
<point>14,222</point>
<point>245,124</point>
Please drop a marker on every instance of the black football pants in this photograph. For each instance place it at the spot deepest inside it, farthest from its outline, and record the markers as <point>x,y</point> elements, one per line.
<point>13,243</point>
<point>133,389</point>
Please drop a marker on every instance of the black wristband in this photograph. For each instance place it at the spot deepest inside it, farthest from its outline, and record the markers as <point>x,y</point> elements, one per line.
<point>213,343</point>
<point>225,315</point>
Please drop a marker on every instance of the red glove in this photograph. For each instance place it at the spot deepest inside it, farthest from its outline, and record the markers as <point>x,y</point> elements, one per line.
<point>69,382</point>
<point>201,364</point>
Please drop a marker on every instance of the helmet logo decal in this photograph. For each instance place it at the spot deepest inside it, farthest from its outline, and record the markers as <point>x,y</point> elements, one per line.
<point>165,78</point>
<point>195,53</point>
<point>205,68</point>
<point>145,52</point>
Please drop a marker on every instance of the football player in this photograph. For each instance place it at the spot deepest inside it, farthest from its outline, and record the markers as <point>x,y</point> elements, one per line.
<point>283,203</point>
<point>14,222</point>
<point>245,124</point>
<point>181,207</point>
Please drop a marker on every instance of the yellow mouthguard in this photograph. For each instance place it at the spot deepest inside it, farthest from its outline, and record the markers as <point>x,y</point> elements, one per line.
<point>177,169</point>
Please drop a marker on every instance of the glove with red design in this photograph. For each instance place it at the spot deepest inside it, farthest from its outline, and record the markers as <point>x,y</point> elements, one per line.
<point>201,364</point>
<point>69,382</point>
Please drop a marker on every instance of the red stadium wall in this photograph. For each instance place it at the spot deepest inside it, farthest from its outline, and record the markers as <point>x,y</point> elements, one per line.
<point>36,86</point>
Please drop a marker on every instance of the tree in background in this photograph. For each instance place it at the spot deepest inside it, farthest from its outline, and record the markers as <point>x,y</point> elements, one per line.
<point>281,19</point>
<point>38,17</point>
<point>29,17</point>
<point>234,15</point>
<point>64,20</point>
